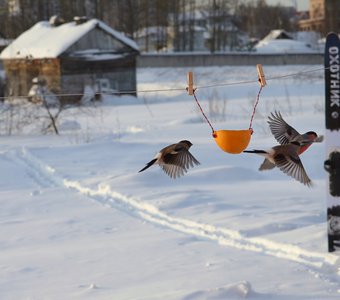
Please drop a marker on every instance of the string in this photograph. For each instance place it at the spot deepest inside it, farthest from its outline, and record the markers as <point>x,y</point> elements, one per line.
<point>251,119</point>
<point>203,113</point>
<point>177,89</point>
<point>253,113</point>
<point>254,109</point>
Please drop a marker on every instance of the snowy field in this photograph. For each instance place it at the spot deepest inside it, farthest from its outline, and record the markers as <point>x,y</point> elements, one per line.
<point>79,222</point>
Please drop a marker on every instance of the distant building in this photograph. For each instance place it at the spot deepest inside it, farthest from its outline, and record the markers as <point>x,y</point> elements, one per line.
<point>324,17</point>
<point>188,31</point>
<point>201,30</point>
<point>188,38</point>
<point>71,57</point>
<point>152,39</point>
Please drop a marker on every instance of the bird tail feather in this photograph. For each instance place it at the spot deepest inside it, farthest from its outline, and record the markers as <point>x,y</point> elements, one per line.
<point>255,151</point>
<point>148,165</point>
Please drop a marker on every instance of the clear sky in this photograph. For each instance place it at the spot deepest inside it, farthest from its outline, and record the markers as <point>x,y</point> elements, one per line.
<point>301,4</point>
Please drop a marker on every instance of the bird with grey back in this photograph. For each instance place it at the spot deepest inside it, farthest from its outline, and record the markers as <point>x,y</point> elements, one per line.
<point>175,159</point>
<point>287,159</point>
<point>285,134</point>
<point>286,155</point>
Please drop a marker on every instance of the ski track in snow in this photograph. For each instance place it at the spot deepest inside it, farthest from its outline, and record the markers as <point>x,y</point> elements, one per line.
<point>32,169</point>
<point>324,265</point>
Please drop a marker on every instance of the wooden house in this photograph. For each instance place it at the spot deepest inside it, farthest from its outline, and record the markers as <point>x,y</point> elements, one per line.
<point>71,57</point>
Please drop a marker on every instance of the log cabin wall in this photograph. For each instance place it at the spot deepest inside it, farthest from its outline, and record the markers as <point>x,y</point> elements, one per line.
<point>20,73</point>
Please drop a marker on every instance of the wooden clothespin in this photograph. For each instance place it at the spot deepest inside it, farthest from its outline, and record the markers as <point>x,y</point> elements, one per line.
<point>262,79</point>
<point>190,87</point>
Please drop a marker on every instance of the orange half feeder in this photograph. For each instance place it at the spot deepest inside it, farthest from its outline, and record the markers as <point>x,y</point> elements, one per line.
<point>233,141</point>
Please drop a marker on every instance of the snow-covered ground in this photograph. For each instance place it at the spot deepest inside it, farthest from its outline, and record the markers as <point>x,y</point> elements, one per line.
<point>79,222</point>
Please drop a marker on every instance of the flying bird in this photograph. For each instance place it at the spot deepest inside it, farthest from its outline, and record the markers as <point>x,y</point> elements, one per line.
<point>286,158</point>
<point>285,134</point>
<point>175,159</point>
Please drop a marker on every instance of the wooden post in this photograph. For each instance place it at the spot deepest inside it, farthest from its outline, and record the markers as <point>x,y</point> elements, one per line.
<point>332,138</point>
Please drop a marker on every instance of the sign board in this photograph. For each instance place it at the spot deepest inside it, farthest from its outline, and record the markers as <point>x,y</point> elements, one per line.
<point>332,138</point>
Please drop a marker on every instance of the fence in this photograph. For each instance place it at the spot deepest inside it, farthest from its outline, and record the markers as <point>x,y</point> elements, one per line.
<point>222,59</point>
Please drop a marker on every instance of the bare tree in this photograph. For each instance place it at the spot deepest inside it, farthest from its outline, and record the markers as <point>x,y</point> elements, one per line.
<point>258,18</point>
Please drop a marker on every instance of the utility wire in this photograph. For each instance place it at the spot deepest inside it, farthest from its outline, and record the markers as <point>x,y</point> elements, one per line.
<point>267,79</point>
<point>182,88</point>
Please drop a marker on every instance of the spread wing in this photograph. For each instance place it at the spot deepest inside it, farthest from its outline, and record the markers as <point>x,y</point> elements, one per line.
<point>266,165</point>
<point>283,132</point>
<point>180,157</point>
<point>178,161</point>
<point>173,171</point>
<point>292,166</point>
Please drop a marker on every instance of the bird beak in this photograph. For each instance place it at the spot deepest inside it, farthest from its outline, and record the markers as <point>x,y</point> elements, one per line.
<point>319,139</point>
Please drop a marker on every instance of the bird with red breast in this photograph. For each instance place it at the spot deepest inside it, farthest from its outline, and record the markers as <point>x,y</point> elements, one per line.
<point>286,158</point>
<point>286,155</point>
<point>285,134</point>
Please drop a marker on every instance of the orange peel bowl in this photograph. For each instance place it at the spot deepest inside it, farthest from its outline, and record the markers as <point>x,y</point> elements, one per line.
<point>233,141</point>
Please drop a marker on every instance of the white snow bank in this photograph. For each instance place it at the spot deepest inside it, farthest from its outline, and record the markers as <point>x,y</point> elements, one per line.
<point>240,290</point>
<point>148,212</point>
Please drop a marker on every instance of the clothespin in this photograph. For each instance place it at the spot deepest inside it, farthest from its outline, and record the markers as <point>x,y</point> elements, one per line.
<point>260,73</point>
<point>190,87</point>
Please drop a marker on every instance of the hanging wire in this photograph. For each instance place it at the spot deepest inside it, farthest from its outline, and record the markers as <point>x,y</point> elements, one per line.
<point>257,98</point>
<point>254,109</point>
<point>182,88</point>
<point>212,129</point>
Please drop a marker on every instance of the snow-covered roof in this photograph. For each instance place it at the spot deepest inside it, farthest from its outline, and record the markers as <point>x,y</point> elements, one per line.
<point>44,40</point>
<point>283,46</point>
<point>277,34</point>
<point>280,41</point>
